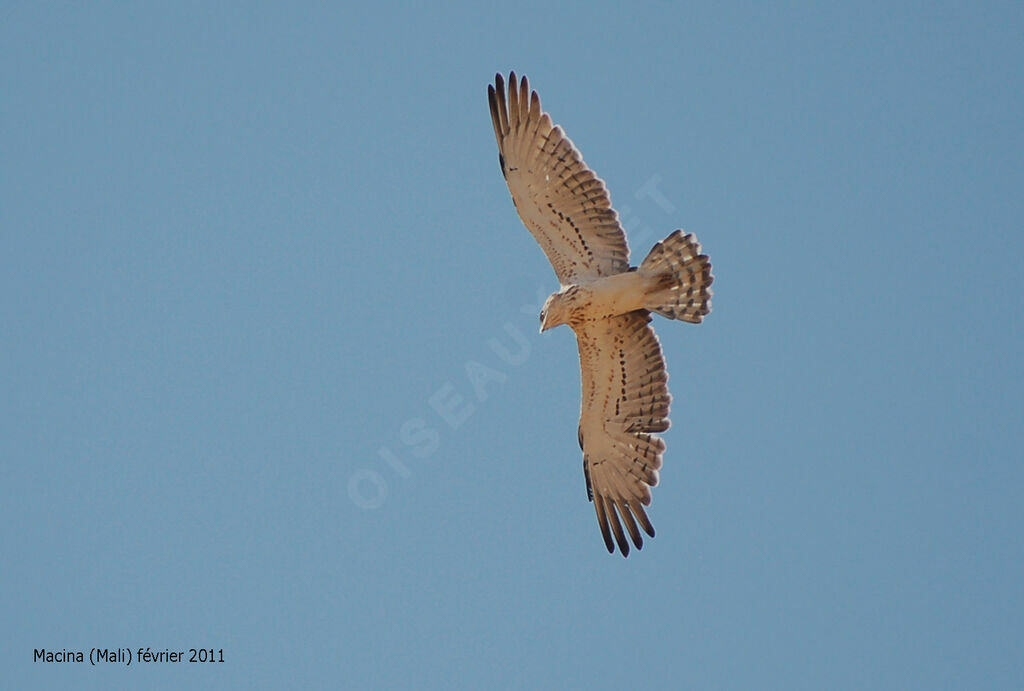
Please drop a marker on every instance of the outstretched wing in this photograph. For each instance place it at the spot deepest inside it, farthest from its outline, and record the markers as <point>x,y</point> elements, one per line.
<point>625,401</point>
<point>561,201</point>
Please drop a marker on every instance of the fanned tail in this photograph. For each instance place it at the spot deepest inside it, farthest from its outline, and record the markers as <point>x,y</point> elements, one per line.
<point>679,278</point>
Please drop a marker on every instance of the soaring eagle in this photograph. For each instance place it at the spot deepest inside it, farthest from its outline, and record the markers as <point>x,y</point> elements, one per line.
<point>608,303</point>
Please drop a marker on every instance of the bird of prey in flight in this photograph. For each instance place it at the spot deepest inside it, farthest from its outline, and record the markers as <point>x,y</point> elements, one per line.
<point>608,303</point>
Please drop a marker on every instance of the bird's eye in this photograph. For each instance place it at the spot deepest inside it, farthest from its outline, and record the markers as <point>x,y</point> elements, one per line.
<point>541,317</point>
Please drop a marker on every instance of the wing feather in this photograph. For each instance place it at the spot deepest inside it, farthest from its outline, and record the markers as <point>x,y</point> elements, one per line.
<point>613,517</point>
<point>563,204</point>
<point>641,516</point>
<point>625,401</point>
<point>627,518</point>
<point>602,521</point>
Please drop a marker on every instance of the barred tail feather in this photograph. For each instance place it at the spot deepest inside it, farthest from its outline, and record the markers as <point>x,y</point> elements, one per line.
<point>679,278</point>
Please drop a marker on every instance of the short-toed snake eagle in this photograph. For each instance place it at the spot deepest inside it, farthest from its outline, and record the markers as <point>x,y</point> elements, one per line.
<point>607,303</point>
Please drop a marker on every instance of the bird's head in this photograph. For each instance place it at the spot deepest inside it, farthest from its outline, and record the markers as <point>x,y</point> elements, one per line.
<point>551,313</point>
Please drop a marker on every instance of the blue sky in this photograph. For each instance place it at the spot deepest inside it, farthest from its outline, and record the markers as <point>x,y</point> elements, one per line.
<point>250,252</point>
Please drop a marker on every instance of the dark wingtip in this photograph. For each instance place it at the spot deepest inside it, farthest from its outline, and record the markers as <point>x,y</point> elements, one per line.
<point>602,521</point>
<point>620,537</point>
<point>586,477</point>
<point>641,516</point>
<point>609,544</point>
